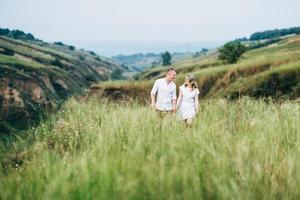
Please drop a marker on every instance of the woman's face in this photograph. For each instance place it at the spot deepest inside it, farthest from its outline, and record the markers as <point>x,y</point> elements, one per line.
<point>186,81</point>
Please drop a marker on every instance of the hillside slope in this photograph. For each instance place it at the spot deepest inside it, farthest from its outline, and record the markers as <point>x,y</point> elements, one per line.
<point>35,77</point>
<point>269,71</point>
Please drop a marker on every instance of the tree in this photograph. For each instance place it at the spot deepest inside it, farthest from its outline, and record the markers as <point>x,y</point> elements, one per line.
<point>4,31</point>
<point>97,58</point>
<point>166,58</point>
<point>29,36</point>
<point>72,48</point>
<point>59,43</point>
<point>231,52</point>
<point>204,51</point>
<point>92,53</point>
<point>117,74</point>
<point>200,53</point>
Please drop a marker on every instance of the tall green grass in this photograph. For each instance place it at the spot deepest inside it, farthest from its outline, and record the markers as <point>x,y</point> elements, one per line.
<point>246,149</point>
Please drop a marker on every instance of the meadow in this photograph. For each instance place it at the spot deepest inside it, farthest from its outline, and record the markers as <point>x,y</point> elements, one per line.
<point>242,149</point>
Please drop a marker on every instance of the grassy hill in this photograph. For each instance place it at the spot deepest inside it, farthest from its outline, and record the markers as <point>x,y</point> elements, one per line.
<point>36,77</point>
<point>270,69</point>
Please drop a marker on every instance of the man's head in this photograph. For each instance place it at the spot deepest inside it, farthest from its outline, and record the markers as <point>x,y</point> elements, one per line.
<point>171,74</point>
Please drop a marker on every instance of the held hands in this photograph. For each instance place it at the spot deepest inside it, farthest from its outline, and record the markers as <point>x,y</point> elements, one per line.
<point>174,109</point>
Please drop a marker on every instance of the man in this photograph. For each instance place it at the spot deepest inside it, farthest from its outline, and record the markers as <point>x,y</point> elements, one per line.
<point>163,93</point>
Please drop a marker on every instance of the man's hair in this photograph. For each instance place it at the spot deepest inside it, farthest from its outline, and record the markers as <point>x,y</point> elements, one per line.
<point>171,69</point>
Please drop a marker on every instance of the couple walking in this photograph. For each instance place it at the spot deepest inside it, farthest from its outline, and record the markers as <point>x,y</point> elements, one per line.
<point>163,96</point>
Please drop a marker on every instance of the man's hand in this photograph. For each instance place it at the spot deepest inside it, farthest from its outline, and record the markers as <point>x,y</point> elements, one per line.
<point>153,101</point>
<point>153,106</point>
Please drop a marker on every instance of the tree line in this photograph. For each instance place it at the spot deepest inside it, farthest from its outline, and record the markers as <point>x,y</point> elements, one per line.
<point>16,34</point>
<point>274,33</point>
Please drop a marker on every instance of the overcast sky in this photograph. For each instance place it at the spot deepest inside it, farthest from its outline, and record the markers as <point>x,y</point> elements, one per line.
<point>172,20</point>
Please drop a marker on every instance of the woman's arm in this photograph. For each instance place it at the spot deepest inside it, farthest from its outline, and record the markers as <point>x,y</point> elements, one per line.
<point>179,99</point>
<point>197,103</point>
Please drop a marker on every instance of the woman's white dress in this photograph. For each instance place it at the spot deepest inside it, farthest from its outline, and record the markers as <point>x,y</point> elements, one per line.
<point>187,105</point>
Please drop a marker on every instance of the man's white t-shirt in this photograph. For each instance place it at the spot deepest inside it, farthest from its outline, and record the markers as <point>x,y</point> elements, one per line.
<point>165,93</point>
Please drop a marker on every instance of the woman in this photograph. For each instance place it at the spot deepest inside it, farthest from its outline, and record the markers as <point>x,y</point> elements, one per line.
<point>188,100</point>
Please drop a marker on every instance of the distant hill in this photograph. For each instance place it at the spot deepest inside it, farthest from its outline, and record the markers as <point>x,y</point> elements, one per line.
<point>267,69</point>
<point>140,62</point>
<point>111,48</point>
<point>36,77</point>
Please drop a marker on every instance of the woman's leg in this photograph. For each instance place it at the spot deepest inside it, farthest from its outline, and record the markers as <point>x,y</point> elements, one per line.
<point>189,122</point>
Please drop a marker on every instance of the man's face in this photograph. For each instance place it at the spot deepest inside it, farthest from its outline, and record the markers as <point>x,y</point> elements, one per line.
<point>171,75</point>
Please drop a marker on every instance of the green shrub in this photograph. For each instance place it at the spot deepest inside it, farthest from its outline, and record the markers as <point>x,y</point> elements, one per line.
<point>8,52</point>
<point>56,62</point>
<point>231,52</point>
<point>92,53</point>
<point>59,43</point>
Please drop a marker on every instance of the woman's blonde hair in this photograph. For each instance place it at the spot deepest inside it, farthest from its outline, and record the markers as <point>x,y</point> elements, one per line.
<point>192,80</point>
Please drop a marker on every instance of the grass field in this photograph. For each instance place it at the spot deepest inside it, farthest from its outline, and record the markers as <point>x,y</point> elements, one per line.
<point>244,149</point>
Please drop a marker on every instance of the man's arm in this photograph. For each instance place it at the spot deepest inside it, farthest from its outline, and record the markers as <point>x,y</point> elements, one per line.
<point>174,100</point>
<point>153,94</point>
